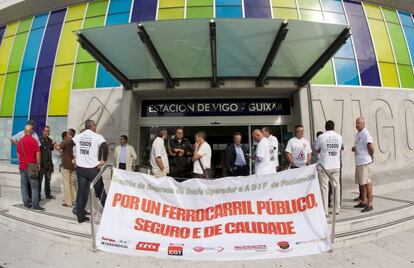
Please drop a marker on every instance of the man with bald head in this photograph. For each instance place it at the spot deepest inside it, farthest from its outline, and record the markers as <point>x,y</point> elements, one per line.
<point>262,157</point>
<point>364,156</point>
<point>29,153</point>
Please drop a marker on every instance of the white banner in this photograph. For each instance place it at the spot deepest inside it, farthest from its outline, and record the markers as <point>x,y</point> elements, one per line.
<point>234,218</point>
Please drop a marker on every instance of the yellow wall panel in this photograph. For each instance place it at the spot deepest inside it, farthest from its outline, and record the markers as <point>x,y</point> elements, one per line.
<point>11,29</point>
<point>60,90</point>
<point>76,12</point>
<point>68,45</point>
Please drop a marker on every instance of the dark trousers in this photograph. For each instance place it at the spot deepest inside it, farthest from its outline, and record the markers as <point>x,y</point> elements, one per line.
<point>85,177</point>
<point>48,176</point>
<point>122,166</point>
<point>179,174</point>
<point>240,171</point>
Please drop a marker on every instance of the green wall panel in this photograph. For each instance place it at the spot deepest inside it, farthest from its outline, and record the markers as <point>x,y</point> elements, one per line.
<point>85,74</point>
<point>97,8</point>
<point>7,102</point>
<point>325,76</point>
<point>406,76</point>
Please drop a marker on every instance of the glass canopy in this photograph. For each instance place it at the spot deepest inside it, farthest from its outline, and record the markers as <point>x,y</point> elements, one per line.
<point>221,49</point>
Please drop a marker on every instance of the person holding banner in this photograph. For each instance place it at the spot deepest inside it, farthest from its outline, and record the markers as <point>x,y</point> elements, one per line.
<point>235,158</point>
<point>263,164</point>
<point>88,164</point>
<point>298,149</point>
<point>274,144</point>
<point>329,146</point>
<point>202,157</point>
<point>159,157</point>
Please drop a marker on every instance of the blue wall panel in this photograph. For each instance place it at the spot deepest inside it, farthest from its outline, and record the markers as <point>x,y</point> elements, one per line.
<point>229,9</point>
<point>144,10</point>
<point>1,33</point>
<point>364,47</point>
<point>257,9</point>
<point>118,13</point>
<point>408,27</point>
<point>346,72</point>
<point>41,87</point>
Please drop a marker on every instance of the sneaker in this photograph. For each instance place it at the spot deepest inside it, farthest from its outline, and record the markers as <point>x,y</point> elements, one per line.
<point>358,199</point>
<point>367,209</point>
<point>27,205</point>
<point>50,197</point>
<point>83,219</point>
<point>39,208</point>
<point>360,205</point>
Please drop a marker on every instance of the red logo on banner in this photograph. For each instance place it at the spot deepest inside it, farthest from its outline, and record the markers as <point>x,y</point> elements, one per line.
<point>148,246</point>
<point>283,244</point>
<point>175,249</point>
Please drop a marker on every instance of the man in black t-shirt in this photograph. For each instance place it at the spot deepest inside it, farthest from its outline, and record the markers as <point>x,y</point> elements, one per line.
<point>179,153</point>
<point>46,165</point>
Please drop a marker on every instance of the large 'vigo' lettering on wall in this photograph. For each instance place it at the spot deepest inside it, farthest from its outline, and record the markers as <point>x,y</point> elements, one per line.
<point>383,131</point>
<point>407,116</point>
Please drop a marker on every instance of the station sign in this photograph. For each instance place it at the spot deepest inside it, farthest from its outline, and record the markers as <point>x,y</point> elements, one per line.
<point>215,107</point>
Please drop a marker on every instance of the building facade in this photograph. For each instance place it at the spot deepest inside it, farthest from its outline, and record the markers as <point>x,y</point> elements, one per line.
<point>47,76</point>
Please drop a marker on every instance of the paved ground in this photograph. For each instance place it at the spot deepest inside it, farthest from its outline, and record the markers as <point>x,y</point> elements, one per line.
<point>29,250</point>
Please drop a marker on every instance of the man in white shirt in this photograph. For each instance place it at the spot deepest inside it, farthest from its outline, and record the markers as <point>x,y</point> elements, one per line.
<point>298,149</point>
<point>159,157</point>
<point>202,157</point>
<point>273,143</point>
<point>329,145</point>
<point>20,134</point>
<point>124,154</point>
<point>88,164</point>
<point>364,156</point>
<point>262,157</point>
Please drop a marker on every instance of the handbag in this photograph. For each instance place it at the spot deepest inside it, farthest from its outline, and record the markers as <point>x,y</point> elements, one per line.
<point>207,172</point>
<point>32,169</point>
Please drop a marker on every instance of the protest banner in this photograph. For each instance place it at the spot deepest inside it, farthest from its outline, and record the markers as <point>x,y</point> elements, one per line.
<point>234,218</point>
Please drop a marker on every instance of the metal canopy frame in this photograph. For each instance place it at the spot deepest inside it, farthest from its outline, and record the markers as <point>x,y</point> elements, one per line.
<point>324,58</point>
<point>260,80</point>
<point>280,37</point>
<point>145,38</point>
<point>107,64</point>
<point>213,52</point>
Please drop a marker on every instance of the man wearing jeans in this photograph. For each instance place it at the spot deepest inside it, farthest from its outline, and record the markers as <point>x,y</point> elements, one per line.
<point>29,153</point>
<point>329,145</point>
<point>88,165</point>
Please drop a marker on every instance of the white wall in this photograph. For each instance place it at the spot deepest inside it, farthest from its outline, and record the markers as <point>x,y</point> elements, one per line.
<point>389,115</point>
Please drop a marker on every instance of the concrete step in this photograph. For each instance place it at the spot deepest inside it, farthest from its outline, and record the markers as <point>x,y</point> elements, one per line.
<point>50,219</point>
<point>47,231</point>
<point>384,217</point>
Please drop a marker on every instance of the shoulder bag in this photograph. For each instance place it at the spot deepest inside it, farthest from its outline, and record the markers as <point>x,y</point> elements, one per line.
<point>32,169</point>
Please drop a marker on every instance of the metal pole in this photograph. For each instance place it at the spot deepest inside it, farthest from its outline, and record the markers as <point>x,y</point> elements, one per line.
<point>334,186</point>
<point>92,194</point>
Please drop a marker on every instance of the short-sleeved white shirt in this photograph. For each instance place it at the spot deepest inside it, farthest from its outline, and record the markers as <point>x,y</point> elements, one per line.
<point>205,152</point>
<point>299,148</point>
<point>158,150</point>
<point>329,144</point>
<point>264,165</point>
<point>86,148</point>
<point>362,139</point>
<point>274,151</point>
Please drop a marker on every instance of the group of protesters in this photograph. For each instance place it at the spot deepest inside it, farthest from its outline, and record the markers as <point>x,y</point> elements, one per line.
<point>84,154</point>
<point>180,159</point>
